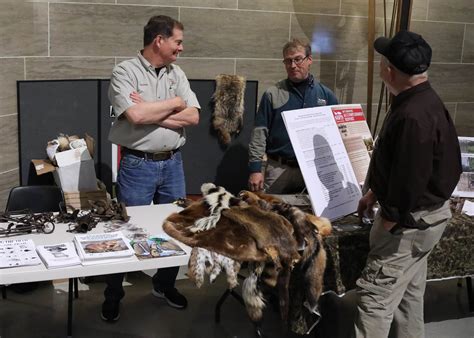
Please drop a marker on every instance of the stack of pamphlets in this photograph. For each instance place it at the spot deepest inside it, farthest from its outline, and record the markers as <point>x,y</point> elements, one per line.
<point>58,255</point>
<point>18,252</point>
<point>102,247</point>
<point>156,246</point>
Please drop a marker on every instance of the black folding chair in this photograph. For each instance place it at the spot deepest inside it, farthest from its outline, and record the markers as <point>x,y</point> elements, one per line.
<point>35,198</point>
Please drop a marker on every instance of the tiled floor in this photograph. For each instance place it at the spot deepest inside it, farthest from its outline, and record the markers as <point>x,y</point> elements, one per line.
<point>43,313</point>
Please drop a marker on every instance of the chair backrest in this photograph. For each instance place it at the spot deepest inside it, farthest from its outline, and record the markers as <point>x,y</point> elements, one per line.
<point>36,198</point>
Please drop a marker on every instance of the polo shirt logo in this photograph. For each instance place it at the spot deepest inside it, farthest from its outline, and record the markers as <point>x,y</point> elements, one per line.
<point>322,102</point>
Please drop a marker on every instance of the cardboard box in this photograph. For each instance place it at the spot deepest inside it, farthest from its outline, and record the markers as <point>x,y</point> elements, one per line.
<point>69,157</point>
<point>79,176</point>
<point>43,166</point>
<point>80,199</point>
<point>74,173</point>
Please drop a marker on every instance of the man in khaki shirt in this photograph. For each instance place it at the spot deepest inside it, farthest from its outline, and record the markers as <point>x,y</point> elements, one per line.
<point>153,103</point>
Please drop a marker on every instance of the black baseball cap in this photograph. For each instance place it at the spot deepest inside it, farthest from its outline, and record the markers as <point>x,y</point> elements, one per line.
<point>407,51</point>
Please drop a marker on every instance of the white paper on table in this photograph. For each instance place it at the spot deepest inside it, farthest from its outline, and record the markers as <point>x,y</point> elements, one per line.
<point>468,208</point>
<point>323,160</point>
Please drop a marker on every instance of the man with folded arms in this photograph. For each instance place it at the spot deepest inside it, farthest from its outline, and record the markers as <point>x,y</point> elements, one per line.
<point>153,102</point>
<point>269,138</point>
<point>414,168</point>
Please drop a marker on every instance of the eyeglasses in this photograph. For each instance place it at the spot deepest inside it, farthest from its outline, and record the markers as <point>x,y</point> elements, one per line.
<point>298,61</point>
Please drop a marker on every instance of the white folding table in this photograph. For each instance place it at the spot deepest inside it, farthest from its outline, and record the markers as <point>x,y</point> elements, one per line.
<point>150,218</point>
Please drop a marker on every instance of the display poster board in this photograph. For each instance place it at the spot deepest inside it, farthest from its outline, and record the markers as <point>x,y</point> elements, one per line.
<point>356,136</point>
<point>327,171</point>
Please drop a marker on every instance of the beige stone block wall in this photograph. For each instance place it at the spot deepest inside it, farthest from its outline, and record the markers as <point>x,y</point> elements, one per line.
<point>79,39</point>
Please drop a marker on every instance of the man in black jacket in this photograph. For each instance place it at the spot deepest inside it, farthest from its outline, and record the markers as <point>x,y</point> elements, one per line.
<point>414,168</point>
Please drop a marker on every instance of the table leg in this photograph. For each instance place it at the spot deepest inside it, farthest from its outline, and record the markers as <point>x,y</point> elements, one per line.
<point>76,289</point>
<point>4,291</point>
<point>221,300</point>
<point>227,293</point>
<point>470,298</point>
<point>69,308</point>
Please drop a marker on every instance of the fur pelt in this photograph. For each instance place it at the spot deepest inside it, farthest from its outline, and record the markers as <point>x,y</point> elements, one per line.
<point>228,106</point>
<point>267,202</point>
<point>251,293</point>
<point>203,262</point>
<point>243,232</point>
<point>308,232</point>
<point>259,229</point>
<point>218,199</point>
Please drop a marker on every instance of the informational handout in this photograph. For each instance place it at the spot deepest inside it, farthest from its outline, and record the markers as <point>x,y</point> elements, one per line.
<point>327,171</point>
<point>18,252</point>
<point>58,255</point>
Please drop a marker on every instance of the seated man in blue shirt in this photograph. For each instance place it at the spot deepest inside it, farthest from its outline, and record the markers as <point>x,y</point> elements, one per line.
<point>300,90</point>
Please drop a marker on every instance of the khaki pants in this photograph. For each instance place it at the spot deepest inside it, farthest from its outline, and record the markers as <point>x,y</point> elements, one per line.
<point>282,179</point>
<point>393,282</point>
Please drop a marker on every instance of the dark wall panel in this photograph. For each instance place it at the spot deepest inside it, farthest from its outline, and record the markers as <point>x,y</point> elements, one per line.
<point>78,106</point>
<point>47,108</point>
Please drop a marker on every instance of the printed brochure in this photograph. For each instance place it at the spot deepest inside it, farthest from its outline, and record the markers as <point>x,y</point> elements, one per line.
<point>111,245</point>
<point>156,246</point>
<point>58,255</point>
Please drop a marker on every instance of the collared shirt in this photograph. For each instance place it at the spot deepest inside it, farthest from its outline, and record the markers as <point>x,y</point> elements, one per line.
<point>270,135</point>
<point>140,76</point>
<point>416,162</point>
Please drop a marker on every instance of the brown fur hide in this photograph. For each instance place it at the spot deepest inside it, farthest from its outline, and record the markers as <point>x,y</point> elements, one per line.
<point>308,231</point>
<point>243,233</point>
<point>228,106</point>
<point>266,232</point>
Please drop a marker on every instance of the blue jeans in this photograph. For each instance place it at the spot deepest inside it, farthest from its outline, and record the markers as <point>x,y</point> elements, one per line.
<point>141,182</point>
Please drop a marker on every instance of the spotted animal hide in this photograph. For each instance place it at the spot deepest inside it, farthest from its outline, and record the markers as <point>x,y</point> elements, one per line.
<point>202,262</point>
<point>218,199</point>
<point>228,113</point>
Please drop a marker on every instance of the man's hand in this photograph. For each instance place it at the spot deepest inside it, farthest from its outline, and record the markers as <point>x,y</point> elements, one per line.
<point>136,98</point>
<point>256,182</point>
<point>388,225</point>
<point>180,104</point>
<point>366,205</point>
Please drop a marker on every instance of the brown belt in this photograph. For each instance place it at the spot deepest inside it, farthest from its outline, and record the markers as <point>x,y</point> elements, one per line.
<point>158,156</point>
<point>284,161</point>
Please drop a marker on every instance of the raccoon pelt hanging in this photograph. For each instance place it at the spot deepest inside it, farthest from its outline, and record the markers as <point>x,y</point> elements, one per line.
<point>228,99</point>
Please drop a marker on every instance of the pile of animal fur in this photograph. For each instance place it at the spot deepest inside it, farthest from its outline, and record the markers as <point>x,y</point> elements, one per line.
<point>272,236</point>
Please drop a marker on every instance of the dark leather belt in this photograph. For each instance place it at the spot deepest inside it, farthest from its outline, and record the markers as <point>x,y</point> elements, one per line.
<point>158,156</point>
<point>284,161</point>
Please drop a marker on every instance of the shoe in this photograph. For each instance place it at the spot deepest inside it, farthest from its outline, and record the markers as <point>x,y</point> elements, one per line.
<point>172,297</point>
<point>110,311</point>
